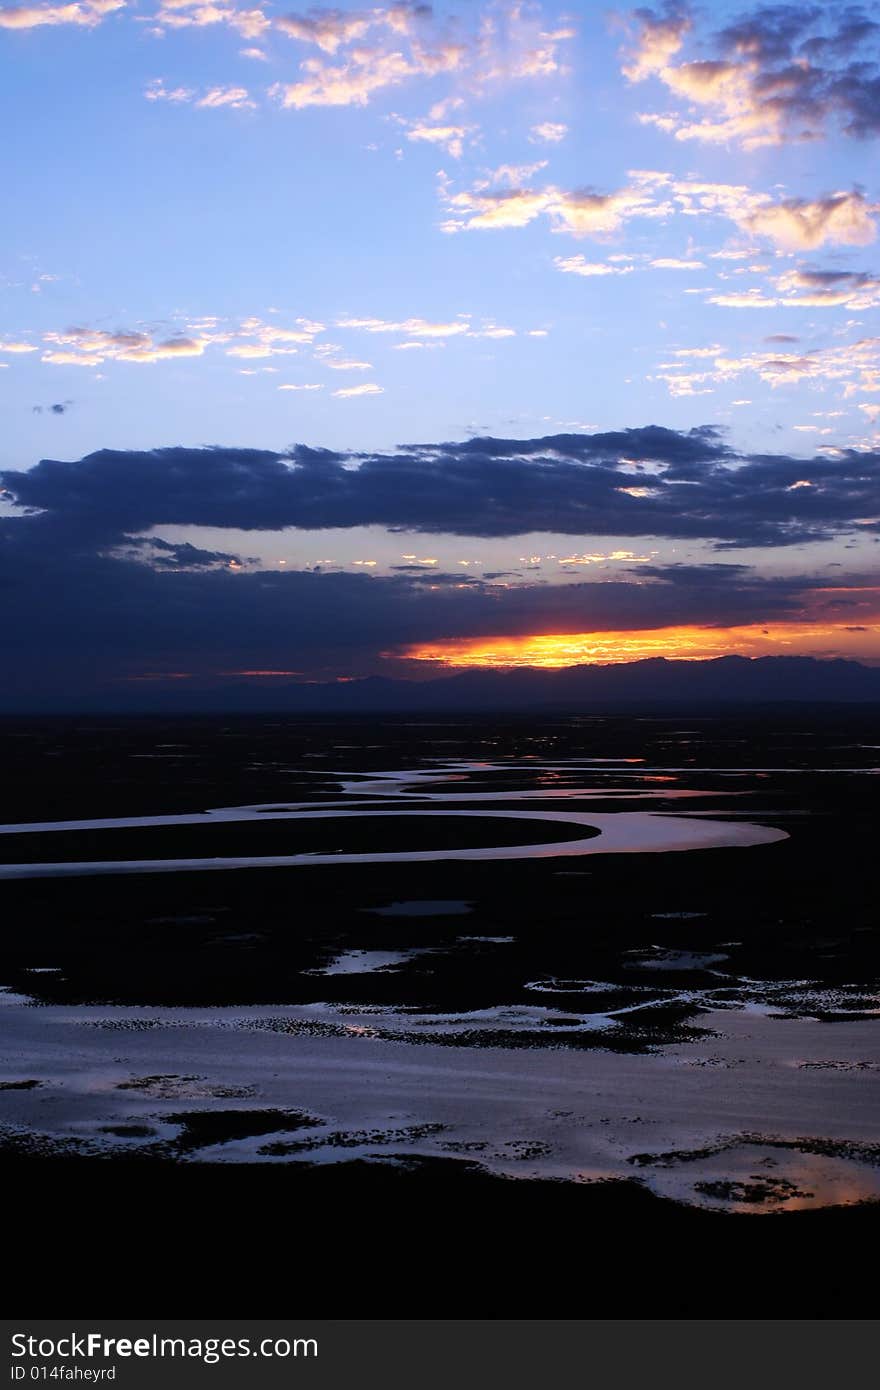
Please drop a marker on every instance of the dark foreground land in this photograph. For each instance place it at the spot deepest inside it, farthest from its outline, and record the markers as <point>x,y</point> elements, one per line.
<point>620,1084</point>
<point>130,1239</point>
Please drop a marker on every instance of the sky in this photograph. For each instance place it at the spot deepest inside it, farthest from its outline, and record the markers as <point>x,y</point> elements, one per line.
<point>391,340</point>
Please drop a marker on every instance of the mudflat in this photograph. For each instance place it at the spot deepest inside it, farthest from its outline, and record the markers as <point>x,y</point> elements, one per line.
<point>470,996</point>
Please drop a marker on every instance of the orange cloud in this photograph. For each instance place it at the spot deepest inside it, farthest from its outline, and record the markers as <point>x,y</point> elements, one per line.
<point>557,650</point>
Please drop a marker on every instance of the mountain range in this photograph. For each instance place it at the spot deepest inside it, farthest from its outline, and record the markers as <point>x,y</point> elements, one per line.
<point>653,683</point>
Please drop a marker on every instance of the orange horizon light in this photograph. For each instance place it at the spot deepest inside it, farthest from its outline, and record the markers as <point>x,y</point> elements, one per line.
<point>685,643</point>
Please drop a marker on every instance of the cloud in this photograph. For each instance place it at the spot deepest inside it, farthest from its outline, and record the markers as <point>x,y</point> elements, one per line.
<point>199,14</point>
<point>840,218</point>
<point>637,482</point>
<point>854,366</point>
<point>269,339</point>
<point>548,133</point>
<point>376,50</point>
<point>81,346</point>
<point>818,289</point>
<point>86,14</point>
<point>449,137</point>
<point>248,339</point>
<point>743,299</point>
<point>580,212</point>
<point>577,265</point>
<point>777,74</point>
<point>86,552</point>
<point>674,263</point>
<point>157,91</point>
<point>351,84</point>
<point>806,287</point>
<point>368,388</point>
<point>844,219</point>
<point>327,29</point>
<point>234,97</point>
<point>72,359</point>
<point>411,328</point>
<point>209,614</point>
<point>177,555</point>
<point>85,347</point>
<point>660,37</point>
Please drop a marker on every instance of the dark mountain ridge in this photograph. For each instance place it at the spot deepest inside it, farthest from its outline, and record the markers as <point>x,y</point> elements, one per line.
<point>651,683</point>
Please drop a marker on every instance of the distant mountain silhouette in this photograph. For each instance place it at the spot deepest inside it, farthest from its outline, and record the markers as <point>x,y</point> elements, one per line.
<point>653,683</point>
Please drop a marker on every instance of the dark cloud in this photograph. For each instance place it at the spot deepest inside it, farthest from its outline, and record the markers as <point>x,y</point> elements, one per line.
<point>182,555</point>
<point>769,33</point>
<point>90,605</point>
<point>811,76</point>
<point>636,482</point>
<point>802,65</point>
<point>834,279</point>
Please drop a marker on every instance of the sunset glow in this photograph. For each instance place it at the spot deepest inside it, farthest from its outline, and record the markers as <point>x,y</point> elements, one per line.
<point>554,650</point>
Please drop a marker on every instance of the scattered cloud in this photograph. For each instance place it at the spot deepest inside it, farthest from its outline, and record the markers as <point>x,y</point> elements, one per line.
<point>583,212</point>
<point>236,98</point>
<point>843,219</point>
<point>368,388</point>
<point>250,339</point>
<point>85,14</point>
<point>855,367</point>
<point>450,138</point>
<point>326,29</point>
<point>86,347</point>
<point>807,288</point>
<point>548,133</point>
<point>674,263</point>
<point>200,14</point>
<point>376,50</point>
<point>578,265</point>
<point>413,328</point>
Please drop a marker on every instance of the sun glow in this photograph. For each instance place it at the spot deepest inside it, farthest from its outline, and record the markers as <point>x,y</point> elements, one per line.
<point>554,650</point>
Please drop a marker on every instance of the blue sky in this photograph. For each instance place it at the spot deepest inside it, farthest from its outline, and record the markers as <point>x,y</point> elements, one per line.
<point>365,227</point>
